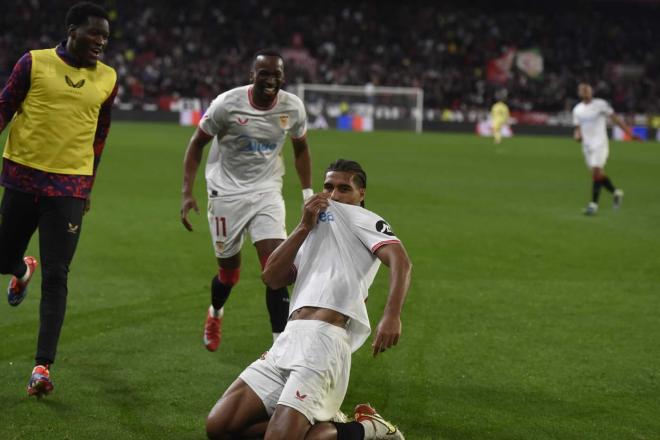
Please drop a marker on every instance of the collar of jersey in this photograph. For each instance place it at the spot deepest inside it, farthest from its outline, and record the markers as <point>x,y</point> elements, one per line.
<point>68,57</point>
<point>254,104</point>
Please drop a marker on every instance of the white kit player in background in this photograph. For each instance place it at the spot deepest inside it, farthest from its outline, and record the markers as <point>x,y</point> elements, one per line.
<point>295,390</point>
<point>249,126</point>
<point>590,120</point>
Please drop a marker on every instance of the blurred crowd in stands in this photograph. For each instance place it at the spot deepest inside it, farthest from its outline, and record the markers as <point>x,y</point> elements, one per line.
<point>196,48</point>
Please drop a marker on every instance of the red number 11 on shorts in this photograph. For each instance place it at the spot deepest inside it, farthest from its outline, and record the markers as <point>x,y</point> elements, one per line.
<point>218,221</point>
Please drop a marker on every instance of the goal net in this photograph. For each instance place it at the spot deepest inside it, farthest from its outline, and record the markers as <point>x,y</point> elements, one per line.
<point>362,108</point>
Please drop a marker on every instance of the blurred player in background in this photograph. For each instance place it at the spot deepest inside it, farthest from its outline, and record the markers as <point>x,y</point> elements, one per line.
<point>295,389</point>
<point>244,169</point>
<point>499,115</point>
<point>590,120</point>
<point>60,100</point>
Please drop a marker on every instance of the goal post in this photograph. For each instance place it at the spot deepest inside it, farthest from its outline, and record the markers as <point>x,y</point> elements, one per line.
<point>362,108</point>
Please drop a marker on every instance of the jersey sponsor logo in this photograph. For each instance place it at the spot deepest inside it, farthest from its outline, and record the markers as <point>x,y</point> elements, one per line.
<point>284,121</point>
<point>383,227</point>
<point>299,396</point>
<point>325,217</point>
<point>242,121</point>
<point>75,85</point>
<point>252,145</point>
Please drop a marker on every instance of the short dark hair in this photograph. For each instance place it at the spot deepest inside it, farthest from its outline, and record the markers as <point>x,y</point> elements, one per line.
<point>268,53</point>
<point>80,12</point>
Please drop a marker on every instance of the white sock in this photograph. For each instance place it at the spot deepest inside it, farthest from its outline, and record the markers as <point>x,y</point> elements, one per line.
<point>217,313</point>
<point>369,429</point>
<point>374,430</point>
<point>26,277</point>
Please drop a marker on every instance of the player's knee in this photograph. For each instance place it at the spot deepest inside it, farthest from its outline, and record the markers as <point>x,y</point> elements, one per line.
<point>218,426</point>
<point>229,277</point>
<point>54,277</point>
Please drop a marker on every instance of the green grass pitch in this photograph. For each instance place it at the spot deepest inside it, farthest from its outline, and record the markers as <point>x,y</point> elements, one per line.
<point>525,319</point>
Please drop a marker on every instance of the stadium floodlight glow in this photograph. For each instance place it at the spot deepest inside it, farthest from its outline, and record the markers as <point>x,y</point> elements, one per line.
<point>362,108</point>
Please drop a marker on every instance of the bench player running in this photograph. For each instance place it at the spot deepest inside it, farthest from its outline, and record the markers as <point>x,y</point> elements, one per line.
<point>590,120</point>
<point>249,126</point>
<point>59,102</point>
<point>295,389</point>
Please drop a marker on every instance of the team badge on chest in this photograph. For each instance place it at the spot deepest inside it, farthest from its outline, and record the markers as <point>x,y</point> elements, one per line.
<point>284,121</point>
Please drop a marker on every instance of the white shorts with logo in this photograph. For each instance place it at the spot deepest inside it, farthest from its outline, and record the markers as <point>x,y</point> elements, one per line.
<point>307,369</point>
<point>596,155</point>
<point>262,215</point>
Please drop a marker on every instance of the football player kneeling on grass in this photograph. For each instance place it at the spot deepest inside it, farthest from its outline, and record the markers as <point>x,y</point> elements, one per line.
<point>295,389</point>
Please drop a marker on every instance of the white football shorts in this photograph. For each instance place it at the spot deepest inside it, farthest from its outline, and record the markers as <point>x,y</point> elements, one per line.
<point>307,369</point>
<point>262,215</point>
<point>596,155</point>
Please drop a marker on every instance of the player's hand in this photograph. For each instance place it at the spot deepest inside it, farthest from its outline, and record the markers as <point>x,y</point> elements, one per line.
<point>313,206</point>
<point>387,334</point>
<point>188,202</point>
<point>88,205</point>
<point>577,137</point>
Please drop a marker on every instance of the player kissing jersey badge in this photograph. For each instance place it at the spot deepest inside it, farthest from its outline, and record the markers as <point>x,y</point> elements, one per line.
<point>284,121</point>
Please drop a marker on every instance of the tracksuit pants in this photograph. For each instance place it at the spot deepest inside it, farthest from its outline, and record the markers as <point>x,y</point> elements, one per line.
<point>59,220</point>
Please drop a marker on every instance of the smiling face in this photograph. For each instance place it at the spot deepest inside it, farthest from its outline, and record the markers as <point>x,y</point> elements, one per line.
<point>342,187</point>
<point>267,77</point>
<point>88,40</point>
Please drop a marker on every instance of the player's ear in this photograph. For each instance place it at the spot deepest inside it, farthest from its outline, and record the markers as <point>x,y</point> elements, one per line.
<point>72,31</point>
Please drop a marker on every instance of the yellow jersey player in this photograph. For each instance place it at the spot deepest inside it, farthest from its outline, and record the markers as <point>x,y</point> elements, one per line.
<point>57,103</point>
<point>499,115</point>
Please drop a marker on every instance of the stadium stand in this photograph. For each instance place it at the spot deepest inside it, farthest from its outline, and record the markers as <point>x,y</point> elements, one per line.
<point>198,48</point>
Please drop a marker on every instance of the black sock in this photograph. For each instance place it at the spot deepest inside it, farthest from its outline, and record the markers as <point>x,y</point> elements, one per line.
<point>277,301</point>
<point>595,190</point>
<point>43,361</point>
<point>607,183</point>
<point>349,431</point>
<point>219,293</point>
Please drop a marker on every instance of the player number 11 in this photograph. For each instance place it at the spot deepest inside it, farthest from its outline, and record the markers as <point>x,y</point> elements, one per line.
<point>218,221</point>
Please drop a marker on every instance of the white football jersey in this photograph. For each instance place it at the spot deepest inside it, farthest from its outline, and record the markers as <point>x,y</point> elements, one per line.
<point>336,265</point>
<point>592,119</point>
<point>246,153</point>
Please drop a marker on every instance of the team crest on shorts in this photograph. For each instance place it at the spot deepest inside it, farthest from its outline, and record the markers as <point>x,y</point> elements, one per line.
<point>219,246</point>
<point>284,121</point>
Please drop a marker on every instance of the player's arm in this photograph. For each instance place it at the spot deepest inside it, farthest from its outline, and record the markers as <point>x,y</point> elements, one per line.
<point>191,161</point>
<point>102,131</point>
<point>16,89</point>
<point>279,270</point>
<point>625,127</point>
<point>577,134</point>
<point>303,162</point>
<point>394,256</point>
